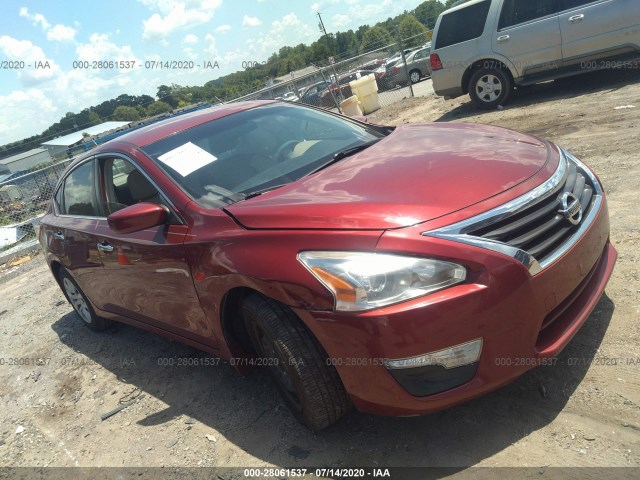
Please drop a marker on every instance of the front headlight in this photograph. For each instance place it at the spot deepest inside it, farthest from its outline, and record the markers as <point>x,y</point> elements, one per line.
<point>365,281</point>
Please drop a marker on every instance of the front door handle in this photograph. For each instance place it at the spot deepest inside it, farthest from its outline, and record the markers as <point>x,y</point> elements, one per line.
<point>58,235</point>
<point>105,247</point>
<point>576,18</point>
<point>502,38</point>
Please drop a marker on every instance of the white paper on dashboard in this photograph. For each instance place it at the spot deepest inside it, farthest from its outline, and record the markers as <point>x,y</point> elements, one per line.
<point>187,158</point>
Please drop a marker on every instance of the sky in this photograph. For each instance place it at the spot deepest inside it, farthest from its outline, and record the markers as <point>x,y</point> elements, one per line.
<point>46,47</point>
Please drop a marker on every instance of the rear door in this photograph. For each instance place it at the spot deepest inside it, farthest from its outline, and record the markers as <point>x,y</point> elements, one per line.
<point>148,269</point>
<point>528,34</point>
<point>421,61</point>
<point>599,29</point>
<point>70,232</point>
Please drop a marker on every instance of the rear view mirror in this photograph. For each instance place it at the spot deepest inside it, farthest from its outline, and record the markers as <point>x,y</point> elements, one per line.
<point>139,216</point>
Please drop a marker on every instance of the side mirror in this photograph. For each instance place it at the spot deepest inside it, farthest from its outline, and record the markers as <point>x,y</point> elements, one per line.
<point>137,217</point>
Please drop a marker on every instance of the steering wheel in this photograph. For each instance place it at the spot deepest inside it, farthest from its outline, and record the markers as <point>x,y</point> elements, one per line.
<point>279,153</point>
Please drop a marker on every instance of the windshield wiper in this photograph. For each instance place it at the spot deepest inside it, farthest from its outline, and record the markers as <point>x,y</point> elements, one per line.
<point>264,190</point>
<point>346,153</point>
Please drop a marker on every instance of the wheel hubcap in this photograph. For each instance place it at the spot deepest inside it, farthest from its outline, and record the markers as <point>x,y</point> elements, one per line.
<point>415,77</point>
<point>488,88</point>
<point>77,300</point>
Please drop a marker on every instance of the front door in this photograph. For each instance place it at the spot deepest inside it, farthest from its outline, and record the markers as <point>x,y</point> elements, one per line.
<point>148,269</point>
<point>599,29</point>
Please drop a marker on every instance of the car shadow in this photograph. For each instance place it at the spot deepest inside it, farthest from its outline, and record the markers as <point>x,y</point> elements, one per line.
<point>570,87</point>
<point>248,412</point>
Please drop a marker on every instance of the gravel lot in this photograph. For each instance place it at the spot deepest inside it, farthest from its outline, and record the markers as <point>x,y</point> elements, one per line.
<point>583,411</point>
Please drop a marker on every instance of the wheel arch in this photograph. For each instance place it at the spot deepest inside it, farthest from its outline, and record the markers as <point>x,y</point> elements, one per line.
<point>235,334</point>
<point>236,337</point>
<point>56,266</point>
<point>488,62</point>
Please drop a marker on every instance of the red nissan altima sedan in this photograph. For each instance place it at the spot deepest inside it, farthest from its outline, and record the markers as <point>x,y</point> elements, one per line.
<point>400,270</point>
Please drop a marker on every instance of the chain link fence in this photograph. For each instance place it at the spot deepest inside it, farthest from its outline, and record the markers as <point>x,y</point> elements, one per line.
<point>395,68</point>
<point>24,198</point>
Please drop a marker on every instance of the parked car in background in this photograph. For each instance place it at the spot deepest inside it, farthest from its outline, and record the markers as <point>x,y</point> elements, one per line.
<point>290,97</point>
<point>311,95</point>
<point>341,89</point>
<point>357,263</point>
<point>486,47</point>
<point>418,66</point>
<point>379,68</point>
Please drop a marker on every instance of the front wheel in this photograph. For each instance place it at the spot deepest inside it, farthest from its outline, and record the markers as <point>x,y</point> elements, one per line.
<point>80,303</point>
<point>414,76</point>
<point>310,386</point>
<point>490,87</point>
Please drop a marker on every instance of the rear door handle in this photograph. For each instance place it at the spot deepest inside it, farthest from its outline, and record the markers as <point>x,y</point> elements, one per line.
<point>105,247</point>
<point>576,18</point>
<point>502,38</point>
<point>58,235</point>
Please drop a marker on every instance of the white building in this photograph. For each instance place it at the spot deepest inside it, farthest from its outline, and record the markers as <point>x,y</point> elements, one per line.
<point>24,161</point>
<point>60,145</point>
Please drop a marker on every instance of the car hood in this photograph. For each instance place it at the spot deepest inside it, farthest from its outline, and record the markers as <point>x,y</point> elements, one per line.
<point>415,174</point>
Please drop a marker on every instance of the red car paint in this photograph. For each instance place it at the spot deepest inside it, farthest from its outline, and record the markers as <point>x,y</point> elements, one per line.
<point>176,280</point>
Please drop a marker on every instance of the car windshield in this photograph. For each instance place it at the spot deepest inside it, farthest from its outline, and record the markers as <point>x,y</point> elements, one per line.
<point>234,157</point>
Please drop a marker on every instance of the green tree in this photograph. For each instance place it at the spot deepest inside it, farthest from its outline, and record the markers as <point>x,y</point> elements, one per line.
<point>346,43</point>
<point>413,32</point>
<point>427,12</point>
<point>375,37</point>
<point>362,29</point>
<point>167,94</point>
<point>454,3</point>
<point>124,113</point>
<point>156,108</point>
<point>319,52</point>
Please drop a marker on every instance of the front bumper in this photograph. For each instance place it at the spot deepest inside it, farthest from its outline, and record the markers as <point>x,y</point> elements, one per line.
<point>521,319</point>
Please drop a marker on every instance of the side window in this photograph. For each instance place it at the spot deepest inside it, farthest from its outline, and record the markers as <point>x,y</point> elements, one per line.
<point>462,25</point>
<point>520,11</point>
<point>125,185</point>
<point>569,4</point>
<point>421,54</point>
<point>78,192</point>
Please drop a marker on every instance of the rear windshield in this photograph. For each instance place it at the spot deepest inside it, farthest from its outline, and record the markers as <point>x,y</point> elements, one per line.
<point>462,25</point>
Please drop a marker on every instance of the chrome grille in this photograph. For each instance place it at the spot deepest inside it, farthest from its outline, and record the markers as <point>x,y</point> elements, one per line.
<point>536,228</point>
<point>542,228</point>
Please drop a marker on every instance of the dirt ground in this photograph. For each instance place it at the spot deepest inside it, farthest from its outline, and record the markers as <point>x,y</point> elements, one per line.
<point>57,377</point>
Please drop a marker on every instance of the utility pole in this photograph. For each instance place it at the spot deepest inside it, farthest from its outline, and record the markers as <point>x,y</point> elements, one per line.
<point>333,67</point>
<point>321,25</point>
<point>404,61</point>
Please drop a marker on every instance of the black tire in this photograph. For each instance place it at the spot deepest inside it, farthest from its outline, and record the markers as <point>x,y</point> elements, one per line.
<point>78,300</point>
<point>490,87</point>
<point>310,386</point>
<point>415,76</point>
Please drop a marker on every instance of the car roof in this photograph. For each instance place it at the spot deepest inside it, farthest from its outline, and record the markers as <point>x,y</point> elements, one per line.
<point>159,130</point>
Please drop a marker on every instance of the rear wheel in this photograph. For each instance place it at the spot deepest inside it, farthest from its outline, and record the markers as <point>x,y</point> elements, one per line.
<point>490,87</point>
<point>310,386</point>
<point>80,303</point>
<point>414,76</point>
